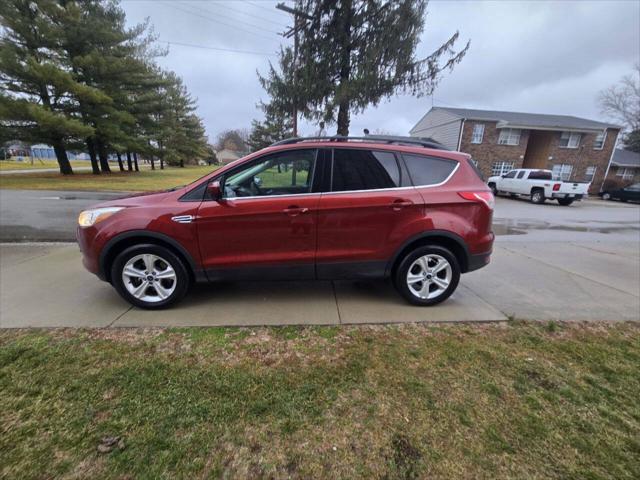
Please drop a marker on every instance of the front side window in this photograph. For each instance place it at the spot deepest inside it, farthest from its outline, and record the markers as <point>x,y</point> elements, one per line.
<point>589,173</point>
<point>569,140</point>
<point>598,142</point>
<point>478,133</point>
<point>509,136</point>
<point>500,168</point>
<point>521,174</point>
<point>426,171</point>
<point>511,174</point>
<point>285,173</point>
<point>562,171</point>
<point>364,170</point>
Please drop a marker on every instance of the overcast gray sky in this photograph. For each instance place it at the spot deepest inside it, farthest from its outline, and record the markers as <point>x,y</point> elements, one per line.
<point>534,56</point>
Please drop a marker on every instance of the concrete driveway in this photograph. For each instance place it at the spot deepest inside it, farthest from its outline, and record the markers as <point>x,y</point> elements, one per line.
<point>550,263</point>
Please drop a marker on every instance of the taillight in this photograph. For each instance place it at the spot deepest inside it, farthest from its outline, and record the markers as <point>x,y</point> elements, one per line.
<point>556,187</point>
<point>484,197</point>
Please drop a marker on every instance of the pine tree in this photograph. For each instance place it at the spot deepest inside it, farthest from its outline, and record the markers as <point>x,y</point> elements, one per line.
<point>39,93</point>
<point>273,128</point>
<point>354,53</point>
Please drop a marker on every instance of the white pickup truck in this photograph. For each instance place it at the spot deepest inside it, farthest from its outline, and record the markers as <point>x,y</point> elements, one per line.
<point>538,185</point>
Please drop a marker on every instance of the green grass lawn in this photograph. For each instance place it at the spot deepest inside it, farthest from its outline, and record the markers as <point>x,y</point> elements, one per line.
<point>488,401</point>
<point>37,164</point>
<point>144,180</point>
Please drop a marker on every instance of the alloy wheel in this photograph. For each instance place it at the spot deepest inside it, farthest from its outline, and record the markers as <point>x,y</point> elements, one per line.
<point>429,276</point>
<point>149,278</point>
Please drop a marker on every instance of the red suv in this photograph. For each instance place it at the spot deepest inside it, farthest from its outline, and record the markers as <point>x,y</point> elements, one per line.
<point>303,209</point>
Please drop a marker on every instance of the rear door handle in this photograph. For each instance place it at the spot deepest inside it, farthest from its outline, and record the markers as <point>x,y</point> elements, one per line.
<point>399,204</point>
<point>294,210</point>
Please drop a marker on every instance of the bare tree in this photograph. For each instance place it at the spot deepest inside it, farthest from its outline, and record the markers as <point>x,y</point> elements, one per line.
<point>621,102</point>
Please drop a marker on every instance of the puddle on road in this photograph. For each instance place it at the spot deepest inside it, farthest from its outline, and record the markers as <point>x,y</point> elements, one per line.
<point>518,227</point>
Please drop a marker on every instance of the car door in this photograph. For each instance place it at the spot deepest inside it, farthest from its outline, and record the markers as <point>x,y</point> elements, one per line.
<point>362,216</point>
<point>265,224</point>
<point>520,185</point>
<point>507,182</point>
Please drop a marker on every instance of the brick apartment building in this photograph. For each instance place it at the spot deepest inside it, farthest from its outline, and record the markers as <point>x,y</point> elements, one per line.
<point>574,148</point>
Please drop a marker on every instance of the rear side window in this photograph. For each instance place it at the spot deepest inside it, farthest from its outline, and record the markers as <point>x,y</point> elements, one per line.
<point>521,174</point>
<point>428,170</point>
<point>540,175</point>
<point>364,170</point>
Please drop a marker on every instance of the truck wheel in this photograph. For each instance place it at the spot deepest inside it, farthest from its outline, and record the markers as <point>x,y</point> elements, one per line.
<point>493,188</point>
<point>537,196</point>
<point>427,275</point>
<point>565,202</point>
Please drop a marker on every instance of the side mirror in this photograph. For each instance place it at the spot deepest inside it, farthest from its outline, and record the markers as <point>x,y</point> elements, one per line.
<point>214,190</point>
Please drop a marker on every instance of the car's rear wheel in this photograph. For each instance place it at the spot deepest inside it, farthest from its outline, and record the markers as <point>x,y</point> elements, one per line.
<point>606,196</point>
<point>150,276</point>
<point>537,196</point>
<point>427,275</point>
<point>565,202</point>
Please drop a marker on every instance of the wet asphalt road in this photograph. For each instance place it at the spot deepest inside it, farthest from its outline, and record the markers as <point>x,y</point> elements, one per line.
<point>43,215</point>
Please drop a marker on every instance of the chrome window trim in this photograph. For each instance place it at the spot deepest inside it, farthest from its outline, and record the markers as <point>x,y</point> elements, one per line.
<point>234,199</point>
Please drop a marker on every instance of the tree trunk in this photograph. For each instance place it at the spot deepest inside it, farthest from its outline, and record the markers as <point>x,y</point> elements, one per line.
<point>102,155</point>
<point>153,162</point>
<point>135,161</point>
<point>61,155</point>
<point>92,154</point>
<point>120,166</point>
<point>181,163</point>
<point>345,70</point>
<point>161,163</point>
<point>129,164</point>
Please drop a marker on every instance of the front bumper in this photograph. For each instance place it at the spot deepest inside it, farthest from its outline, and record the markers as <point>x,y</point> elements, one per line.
<point>90,258</point>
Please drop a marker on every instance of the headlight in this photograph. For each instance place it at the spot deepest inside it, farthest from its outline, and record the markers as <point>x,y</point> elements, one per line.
<point>91,217</point>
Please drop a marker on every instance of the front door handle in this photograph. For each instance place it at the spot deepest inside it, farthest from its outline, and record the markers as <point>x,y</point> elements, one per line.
<point>399,204</point>
<point>294,210</point>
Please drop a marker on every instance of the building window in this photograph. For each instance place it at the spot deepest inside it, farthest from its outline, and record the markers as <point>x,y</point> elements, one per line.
<point>500,168</point>
<point>478,133</point>
<point>569,140</point>
<point>562,171</point>
<point>598,143</point>
<point>625,173</point>
<point>589,173</point>
<point>509,136</point>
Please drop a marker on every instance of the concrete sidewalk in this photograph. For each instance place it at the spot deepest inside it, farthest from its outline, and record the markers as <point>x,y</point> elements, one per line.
<point>44,285</point>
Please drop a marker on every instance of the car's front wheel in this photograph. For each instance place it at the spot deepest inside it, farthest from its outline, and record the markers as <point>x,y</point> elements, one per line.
<point>150,276</point>
<point>606,196</point>
<point>427,275</point>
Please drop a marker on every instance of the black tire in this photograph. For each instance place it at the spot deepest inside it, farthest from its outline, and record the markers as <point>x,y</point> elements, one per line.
<point>165,258</point>
<point>493,188</point>
<point>565,202</point>
<point>401,272</point>
<point>537,196</point>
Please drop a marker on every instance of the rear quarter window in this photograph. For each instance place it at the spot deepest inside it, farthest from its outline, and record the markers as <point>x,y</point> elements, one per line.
<point>426,170</point>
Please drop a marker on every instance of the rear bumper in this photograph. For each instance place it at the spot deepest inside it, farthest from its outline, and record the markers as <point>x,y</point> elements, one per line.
<point>574,196</point>
<point>478,261</point>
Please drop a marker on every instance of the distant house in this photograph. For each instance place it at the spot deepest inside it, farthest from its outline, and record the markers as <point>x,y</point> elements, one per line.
<point>227,156</point>
<point>625,167</point>
<point>574,148</point>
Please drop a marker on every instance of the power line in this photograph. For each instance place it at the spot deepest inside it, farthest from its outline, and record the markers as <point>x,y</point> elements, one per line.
<point>232,19</point>
<point>254,16</point>
<point>215,20</point>
<point>232,50</point>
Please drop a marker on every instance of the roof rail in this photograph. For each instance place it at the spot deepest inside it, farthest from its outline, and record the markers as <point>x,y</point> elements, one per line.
<point>388,139</point>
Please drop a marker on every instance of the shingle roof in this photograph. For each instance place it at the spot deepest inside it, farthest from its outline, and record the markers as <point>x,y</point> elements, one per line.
<point>528,119</point>
<point>625,158</point>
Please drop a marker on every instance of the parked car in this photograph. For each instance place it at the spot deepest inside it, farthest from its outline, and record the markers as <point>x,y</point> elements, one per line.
<point>323,208</point>
<point>538,185</point>
<point>628,193</point>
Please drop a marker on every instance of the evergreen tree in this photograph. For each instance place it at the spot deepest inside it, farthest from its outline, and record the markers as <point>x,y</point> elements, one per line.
<point>354,53</point>
<point>273,128</point>
<point>39,93</point>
